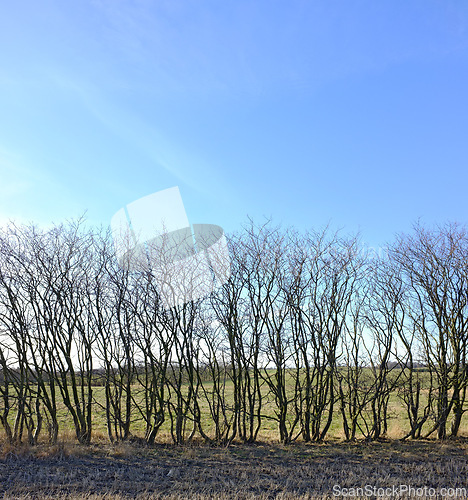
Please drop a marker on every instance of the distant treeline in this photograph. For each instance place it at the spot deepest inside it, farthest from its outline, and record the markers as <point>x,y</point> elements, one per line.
<point>308,330</point>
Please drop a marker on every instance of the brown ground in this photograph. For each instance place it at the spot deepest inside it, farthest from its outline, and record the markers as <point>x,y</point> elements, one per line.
<point>255,471</point>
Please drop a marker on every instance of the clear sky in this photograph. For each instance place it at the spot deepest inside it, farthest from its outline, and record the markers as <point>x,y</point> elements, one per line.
<point>349,112</point>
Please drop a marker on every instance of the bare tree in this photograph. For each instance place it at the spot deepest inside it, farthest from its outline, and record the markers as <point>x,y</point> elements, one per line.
<point>434,263</point>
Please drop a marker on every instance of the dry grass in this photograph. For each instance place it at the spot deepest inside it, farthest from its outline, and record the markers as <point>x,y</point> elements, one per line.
<point>265,470</point>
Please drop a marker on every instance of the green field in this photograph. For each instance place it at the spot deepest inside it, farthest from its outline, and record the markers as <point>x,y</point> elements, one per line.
<point>397,418</point>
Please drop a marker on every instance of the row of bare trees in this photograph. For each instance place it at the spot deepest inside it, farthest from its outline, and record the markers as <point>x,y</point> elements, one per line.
<point>309,332</point>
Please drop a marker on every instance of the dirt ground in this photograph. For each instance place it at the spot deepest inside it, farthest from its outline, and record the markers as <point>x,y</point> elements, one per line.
<point>240,471</point>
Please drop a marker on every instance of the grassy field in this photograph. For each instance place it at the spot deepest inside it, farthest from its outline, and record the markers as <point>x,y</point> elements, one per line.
<point>266,469</point>
<point>398,424</point>
<point>263,470</point>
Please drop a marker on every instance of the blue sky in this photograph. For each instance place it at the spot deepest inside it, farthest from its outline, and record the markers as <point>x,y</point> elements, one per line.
<point>349,112</point>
